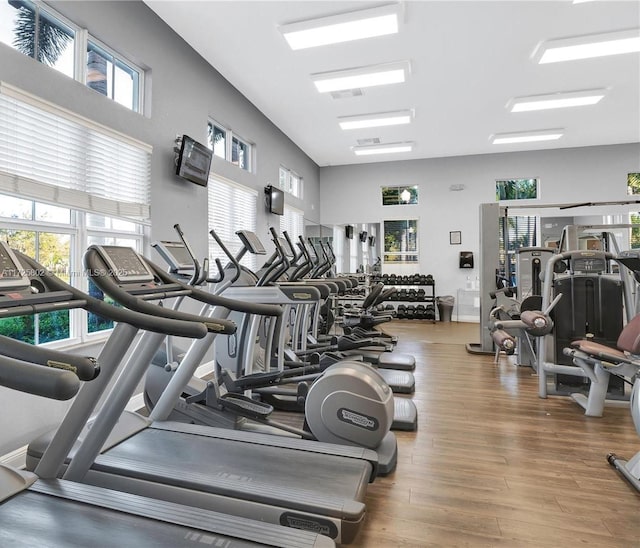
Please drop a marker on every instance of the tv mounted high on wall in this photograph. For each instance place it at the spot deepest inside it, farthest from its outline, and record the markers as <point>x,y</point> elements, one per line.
<point>275,199</point>
<point>348,231</point>
<point>193,161</point>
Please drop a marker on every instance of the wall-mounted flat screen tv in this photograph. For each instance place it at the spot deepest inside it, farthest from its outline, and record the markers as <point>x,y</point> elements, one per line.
<point>194,161</point>
<point>275,200</point>
<point>348,231</point>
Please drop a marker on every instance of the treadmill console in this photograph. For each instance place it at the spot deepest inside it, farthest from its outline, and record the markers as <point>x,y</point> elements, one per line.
<point>12,275</point>
<point>176,256</point>
<point>125,264</point>
<point>251,241</point>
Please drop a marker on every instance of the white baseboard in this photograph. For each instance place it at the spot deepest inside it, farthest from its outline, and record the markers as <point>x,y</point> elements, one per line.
<point>18,457</point>
<point>15,459</point>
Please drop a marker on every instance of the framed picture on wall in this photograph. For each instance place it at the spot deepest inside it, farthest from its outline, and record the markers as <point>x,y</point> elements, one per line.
<point>455,237</point>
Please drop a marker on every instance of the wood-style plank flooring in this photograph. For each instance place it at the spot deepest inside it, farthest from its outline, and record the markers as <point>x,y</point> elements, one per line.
<point>492,464</point>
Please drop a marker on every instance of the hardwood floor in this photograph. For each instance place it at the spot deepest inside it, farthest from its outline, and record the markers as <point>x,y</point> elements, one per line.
<point>492,464</point>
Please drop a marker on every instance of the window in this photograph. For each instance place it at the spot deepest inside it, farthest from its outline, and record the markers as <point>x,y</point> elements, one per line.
<point>399,195</point>
<point>290,182</point>
<point>50,155</point>
<point>633,183</point>
<point>517,189</point>
<point>41,33</point>
<point>49,234</point>
<point>229,147</point>
<point>353,255</point>
<point>67,183</point>
<point>112,76</point>
<point>293,222</point>
<point>338,247</point>
<point>37,32</point>
<point>232,207</point>
<point>401,241</point>
<point>515,232</point>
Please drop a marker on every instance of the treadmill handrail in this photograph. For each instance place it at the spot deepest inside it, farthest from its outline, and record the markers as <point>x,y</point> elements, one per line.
<point>145,322</point>
<point>85,368</point>
<point>32,378</point>
<point>96,265</point>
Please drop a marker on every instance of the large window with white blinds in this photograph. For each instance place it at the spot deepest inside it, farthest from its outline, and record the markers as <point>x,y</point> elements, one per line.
<point>65,183</point>
<point>54,155</point>
<point>232,207</point>
<point>293,222</point>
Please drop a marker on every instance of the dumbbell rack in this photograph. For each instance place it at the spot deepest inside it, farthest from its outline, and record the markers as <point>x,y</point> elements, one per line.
<point>415,296</point>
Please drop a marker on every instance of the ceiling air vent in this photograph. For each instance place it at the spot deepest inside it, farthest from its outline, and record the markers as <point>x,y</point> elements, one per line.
<point>371,141</point>
<point>346,93</point>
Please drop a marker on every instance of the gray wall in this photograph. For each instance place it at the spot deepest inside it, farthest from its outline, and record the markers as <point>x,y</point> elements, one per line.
<point>184,91</point>
<point>351,194</point>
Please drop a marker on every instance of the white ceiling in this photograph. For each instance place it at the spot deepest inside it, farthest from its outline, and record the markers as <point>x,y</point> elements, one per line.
<point>467,60</point>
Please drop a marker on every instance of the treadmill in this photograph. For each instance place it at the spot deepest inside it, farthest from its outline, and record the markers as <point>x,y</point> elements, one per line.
<point>58,513</point>
<point>307,485</point>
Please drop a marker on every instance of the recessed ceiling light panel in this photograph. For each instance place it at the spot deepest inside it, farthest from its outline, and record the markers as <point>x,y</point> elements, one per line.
<point>387,148</point>
<point>345,27</point>
<point>556,100</point>
<point>362,77</point>
<point>380,119</point>
<point>589,46</point>
<point>527,136</point>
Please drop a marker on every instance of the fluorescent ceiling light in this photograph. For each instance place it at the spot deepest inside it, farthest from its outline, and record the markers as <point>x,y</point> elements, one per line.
<point>527,136</point>
<point>586,47</point>
<point>388,148</point>
<point>556,100</point>
<point>362,77</point>
<point>345,27</point>
<point>376,120</point>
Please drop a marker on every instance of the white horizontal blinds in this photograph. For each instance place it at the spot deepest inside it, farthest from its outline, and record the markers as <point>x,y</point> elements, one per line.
<point>293,222</point>
<point>54,155</point>
<point>231,208</point>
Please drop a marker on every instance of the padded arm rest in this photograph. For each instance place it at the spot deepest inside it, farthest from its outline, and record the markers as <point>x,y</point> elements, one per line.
<point>503,340</point>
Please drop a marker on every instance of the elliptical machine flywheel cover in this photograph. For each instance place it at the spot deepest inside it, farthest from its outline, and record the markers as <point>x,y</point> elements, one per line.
<point>350,404</point>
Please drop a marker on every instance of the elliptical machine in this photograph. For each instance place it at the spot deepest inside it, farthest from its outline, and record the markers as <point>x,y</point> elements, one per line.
<point>348,403</point>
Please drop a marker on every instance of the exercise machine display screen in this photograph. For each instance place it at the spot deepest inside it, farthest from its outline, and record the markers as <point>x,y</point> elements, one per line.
<point>251,242</point>
<point>125,264</point>
<point>176,255</point>
<point>11,274</point>
<point>588,264</point>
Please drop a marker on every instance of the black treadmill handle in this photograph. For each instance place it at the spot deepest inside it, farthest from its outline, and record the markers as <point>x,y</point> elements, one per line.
<point>85,368</point>
<point>190,329</point>
<point>56,384</point>
<point>153,317</point>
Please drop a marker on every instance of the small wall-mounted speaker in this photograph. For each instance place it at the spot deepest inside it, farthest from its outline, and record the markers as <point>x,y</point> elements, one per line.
<point>466,259</point>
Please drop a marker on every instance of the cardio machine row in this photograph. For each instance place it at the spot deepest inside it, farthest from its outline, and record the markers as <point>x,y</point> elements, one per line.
<point>164,460</point>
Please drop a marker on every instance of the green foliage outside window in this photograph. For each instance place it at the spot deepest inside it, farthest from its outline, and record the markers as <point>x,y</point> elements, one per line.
<point>516,189</point>
<point>399,195</point>
<point>401,241</point>
<point>633,183</point>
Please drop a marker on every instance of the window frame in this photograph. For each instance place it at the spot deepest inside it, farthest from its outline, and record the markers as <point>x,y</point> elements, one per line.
<point>138,94</point>
<point>414,198</point>
<point>81,40</point>
<point>401,255</point>
<point>286,178</point>
<point>79,234</point>
<point>215,182</point>
<point>230,138</point>
<point>518,180</point>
